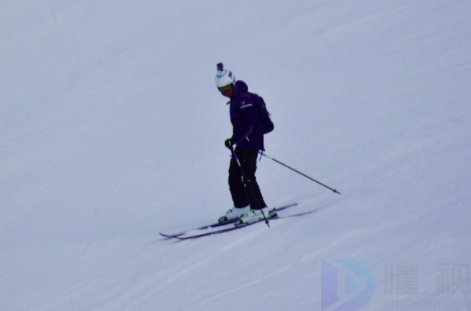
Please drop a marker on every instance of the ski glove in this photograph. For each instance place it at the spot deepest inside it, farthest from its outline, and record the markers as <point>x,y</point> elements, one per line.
<point>228,143</point>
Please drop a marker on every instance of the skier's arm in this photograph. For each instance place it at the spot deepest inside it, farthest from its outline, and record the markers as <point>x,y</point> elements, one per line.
<point>248,115</point>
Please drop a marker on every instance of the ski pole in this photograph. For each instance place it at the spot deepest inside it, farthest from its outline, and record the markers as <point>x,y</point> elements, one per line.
<point>250,186</point>
<point>262,153</point>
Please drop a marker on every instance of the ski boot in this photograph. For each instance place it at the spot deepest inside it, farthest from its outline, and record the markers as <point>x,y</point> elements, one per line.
<point>253,215</point>
<point>234,213</point>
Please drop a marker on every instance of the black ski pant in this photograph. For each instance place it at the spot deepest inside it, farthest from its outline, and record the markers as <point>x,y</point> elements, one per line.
<point>241,193</point>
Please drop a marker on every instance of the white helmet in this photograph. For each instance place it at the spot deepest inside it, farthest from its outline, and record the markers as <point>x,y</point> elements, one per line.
<point>224,77</point>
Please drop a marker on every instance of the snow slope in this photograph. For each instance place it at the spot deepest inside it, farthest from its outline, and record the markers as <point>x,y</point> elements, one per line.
<point>111,131</point>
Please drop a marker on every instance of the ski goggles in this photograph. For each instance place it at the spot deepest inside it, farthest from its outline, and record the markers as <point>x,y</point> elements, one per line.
<point>225,89</point>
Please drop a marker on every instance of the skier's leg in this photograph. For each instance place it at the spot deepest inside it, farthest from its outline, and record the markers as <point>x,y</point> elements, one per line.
<point>249,165</point>
<point>236,186</point>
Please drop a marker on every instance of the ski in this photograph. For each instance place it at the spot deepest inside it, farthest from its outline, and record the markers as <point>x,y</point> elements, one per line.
<point>218,224</point>
<point>232,228</point>
<point>214,225</point>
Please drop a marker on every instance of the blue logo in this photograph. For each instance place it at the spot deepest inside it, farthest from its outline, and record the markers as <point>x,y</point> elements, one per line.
<point>346,285</point>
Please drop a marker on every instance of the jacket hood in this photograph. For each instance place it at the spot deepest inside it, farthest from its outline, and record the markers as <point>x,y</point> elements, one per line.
<point>241,87</point>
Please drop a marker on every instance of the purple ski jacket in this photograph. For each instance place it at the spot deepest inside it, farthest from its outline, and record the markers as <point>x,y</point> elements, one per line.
<point>247,132</point>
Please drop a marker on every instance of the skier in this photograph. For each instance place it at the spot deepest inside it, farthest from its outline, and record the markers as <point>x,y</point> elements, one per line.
<point>248,138</point>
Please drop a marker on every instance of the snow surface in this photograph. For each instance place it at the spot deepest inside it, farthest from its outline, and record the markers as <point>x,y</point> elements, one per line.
<point>111,131</point>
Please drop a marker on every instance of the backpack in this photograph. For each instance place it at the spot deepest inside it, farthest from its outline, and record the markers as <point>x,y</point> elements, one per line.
<point>263,114</point>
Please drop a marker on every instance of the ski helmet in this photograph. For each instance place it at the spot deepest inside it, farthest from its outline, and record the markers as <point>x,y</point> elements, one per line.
<point>224,77</point>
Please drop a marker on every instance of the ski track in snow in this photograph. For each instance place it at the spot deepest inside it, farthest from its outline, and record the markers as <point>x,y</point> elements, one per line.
<point>240,288</point>
<point>351,26</point>
<point>106,208</point>
<point>325,248</point>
